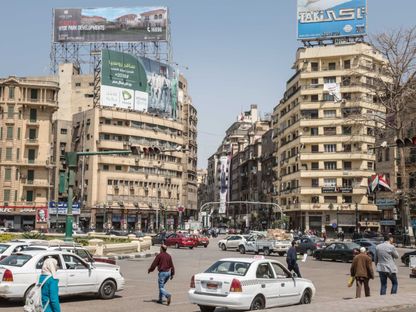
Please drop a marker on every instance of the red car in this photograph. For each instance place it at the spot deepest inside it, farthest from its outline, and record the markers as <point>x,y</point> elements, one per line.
<point>181,240</point>
<point>202,240</point>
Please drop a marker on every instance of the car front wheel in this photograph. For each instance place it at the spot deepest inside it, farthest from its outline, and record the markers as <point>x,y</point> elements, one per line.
<point>306,297</point>
<point>223,247</point>
<point>258,303</point>
<point>242,250</point>
<point>107,289</point>
<point>206,308</point>
<point>266,252</point>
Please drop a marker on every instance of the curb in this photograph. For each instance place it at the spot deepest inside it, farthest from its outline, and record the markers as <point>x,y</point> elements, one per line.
<point>393,308</point>
<point>133,256</point>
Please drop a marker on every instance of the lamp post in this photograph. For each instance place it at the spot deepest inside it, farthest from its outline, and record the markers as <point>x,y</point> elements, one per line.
<point>356,217</point>
<point>337,219</point>
<point>72,162</point>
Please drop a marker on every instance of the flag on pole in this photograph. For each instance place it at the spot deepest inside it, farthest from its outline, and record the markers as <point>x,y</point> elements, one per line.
<point>382,180</point>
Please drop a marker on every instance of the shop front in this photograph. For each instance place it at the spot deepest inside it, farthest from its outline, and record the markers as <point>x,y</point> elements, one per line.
<point>19,218</point>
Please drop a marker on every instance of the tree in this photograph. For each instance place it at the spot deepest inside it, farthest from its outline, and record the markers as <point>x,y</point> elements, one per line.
<point>392,84</point>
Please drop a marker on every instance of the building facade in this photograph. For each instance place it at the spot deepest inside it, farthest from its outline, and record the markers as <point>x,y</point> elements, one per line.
<point>324,156</point>
<point>26,106</point>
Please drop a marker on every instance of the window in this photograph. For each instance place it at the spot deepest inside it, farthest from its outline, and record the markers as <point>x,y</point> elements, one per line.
<point>314,132</point>
<point>118,168</point>
<point>370,131</point>
<point>33,115</point>
<point>280,271</point>
<point>347,64</point>
<point>347,182</point>
<point>31,154</point>
<point>328,97</point>
<point>330,113</point>
<point>330,130</point>
<point>370,165</point>
<point>105,168</point>
<point>7,174</point>
<point>314,98</point>
<point>330,165</point>
<point>18,133</point>
<point>30,175</point>
<point>330,199</point>
<point>29,196</point>
<point>347,165</point>
<point>264,271</point>
<point>56,257</point>
<point>346,81</point>
<point>107,121</point>
<point>314,66</point>
<point>332,66</point>
<point>74,263</point>
<point>6,195</point>
<point>315,148</point>
<point>347,147</point>
<point>315,182</point>
<point>314,81</point>
<point>10,111</point>
<point>330,79</point>
<point>315,199</point>
<point>78,84</point>
<point>347,199</point>
<point>9,133</point>
<point>387,154</point>
<point>330,148</point>
<point>33,94</point>
<point>1,133</point>
<point>315,166</point>
<point>9,153</point>
<point>330,182</point>
<point>346,130</point>
<point>32,134</point>
<point>64,131</point>
<point>346,96</point>
<point>11,93</point>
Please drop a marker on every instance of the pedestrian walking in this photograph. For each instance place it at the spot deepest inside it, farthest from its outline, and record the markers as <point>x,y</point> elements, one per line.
<point>384,260</point>
<point>164,264</point>
<point>362,271</point>
<point>291,260</point>
<point>50,290</point>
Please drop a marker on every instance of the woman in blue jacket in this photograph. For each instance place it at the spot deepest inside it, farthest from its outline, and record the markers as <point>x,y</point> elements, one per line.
<point>50,290</point>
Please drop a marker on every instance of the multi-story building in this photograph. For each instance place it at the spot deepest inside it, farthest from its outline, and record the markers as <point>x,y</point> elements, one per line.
<point>324,154</point>
<point>26,107</point>
<point>148,189</point>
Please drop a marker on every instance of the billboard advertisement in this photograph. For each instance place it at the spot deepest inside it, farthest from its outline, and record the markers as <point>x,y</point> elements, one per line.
<point>139,84</point>
<point>324,19</point>
<point>110,24</point>
<point>224,165</point>
<point>62,208</point>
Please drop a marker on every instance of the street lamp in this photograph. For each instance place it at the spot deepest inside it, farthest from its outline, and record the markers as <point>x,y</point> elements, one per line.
<point>356,217</point>
<point>338,219</point>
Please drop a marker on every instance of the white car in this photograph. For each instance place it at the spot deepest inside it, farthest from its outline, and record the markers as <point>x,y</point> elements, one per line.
<point>248,284</point>
<point>20,271</point>
<point>6,249</point>
<point>232,241</point>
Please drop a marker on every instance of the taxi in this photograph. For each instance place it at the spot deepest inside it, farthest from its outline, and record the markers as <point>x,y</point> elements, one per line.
<point>248,284</point>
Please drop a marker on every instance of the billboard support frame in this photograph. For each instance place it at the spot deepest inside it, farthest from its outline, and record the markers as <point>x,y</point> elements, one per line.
<point>333,41</point>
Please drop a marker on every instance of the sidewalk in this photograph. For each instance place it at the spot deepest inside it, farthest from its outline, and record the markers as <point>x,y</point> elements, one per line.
<point>144,254</point>
<point>375,303</point>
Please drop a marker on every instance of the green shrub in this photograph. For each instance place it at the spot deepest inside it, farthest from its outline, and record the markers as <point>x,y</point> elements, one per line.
<point>6,237</point>
<point>33,235</point>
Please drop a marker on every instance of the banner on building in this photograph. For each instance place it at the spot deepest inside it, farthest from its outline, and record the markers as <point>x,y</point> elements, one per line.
<point>110,24</point>
<point>224,174</point>
<point>42,215</point>
<point>324,19</point>
<point>333,89</point>
<point>61,208</point>
<point>139,84</point>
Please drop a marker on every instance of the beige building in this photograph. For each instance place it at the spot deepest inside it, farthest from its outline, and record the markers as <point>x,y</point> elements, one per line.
<point>26,106</point>
<point>324,157</point>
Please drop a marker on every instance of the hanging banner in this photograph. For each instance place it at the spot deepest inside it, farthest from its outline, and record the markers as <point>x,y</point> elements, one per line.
<point>224,163</point>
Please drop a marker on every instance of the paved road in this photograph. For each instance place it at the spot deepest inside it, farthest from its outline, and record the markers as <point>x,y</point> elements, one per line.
<point>330,279</point>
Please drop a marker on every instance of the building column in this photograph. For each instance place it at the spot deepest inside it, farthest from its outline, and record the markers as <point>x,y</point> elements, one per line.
<point>93,220</point>
<point>306,221</point>
<point>151,224</point>
<point>138,221</point>
<point>109,220</point>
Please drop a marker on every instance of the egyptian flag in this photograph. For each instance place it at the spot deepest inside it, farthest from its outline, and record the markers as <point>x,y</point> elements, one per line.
<point>382,181</point>
<point>373,183</point>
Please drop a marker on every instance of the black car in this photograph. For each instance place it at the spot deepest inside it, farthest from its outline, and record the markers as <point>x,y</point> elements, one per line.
<point>406,257</point>
<point>308,244</point>
<point>158,238</point>
<point>343,251</point>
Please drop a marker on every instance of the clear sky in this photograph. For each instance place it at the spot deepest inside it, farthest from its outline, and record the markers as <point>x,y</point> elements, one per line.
<point>239,52</point>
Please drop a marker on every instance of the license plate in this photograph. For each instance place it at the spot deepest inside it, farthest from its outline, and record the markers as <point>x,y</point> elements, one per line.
<point>212,285</point>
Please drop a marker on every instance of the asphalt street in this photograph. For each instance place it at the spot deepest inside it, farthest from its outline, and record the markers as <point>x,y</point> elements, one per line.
<point>141,292</point>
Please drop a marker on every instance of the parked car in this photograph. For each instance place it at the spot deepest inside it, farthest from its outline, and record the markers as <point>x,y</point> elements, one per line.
<point>117,232</point>
<point>308,244</point>
<point>73,248</point>
<point>138,234</point>
<point>202,240</point>
<point>406,257</point>
<point>343,251</point>
<point>6,249</point>
<point>369,245</point>
<point>232,241</point>
<point>248,284</point>
<point>20,272</point>
<point>157,239</point>
<point>181,240</point>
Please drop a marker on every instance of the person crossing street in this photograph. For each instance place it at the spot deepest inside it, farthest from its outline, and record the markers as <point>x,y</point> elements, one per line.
<point>291,260</point>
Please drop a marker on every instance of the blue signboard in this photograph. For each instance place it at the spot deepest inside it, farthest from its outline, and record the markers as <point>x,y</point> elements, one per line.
<point>324,19</point>
<point>63,208</point>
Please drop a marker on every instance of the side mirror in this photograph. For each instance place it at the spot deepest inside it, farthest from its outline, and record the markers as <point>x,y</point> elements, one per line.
<point>294,275</point>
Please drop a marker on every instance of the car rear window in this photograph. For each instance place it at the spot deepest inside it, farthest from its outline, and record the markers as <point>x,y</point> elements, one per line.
<point>353,245</point>
<point>229,268</point>
<point>15,260</point>
<point>3,248</point>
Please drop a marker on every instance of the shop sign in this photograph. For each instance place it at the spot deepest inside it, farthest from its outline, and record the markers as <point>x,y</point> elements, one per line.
<point>17,210</point>
<point>329,189</point>
<point>386,202</point>
<point>387,222</point>
<point>369,223</point>
<point>345,189</point>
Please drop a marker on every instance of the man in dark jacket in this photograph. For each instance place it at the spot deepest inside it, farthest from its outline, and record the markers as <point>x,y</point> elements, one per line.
<point>164,264</point>
<point>362,270</point>
<point>292,259</point>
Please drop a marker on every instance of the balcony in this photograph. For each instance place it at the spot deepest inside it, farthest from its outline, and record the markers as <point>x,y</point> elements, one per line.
<point>33,122</point>
<point>36,183</point>
<point>33,163</point>
<point>31,142</point>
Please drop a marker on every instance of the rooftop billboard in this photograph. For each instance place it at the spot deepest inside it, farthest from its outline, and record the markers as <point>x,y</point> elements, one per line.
<point>139,84</point>
<point>325,19</point>
<point>110,24</point>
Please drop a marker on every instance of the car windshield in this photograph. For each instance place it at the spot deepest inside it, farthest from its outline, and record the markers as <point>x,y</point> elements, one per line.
<point>15,260</point>
<point>229,268</point>
<point>3,248</point>
<point>352,245</point>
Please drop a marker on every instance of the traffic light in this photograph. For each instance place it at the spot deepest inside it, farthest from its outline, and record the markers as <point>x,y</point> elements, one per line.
<point>136,150</point>
<point>406,142</point>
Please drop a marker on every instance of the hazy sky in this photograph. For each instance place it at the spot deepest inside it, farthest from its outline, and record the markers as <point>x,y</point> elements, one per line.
<point>239,52</point>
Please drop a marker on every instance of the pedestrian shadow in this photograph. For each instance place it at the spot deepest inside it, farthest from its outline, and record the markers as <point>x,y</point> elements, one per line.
<point>347,298</point>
